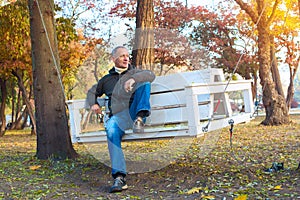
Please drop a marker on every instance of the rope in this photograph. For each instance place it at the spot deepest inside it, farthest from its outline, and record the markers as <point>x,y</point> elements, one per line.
<point>244,51</point>
<point>51,50</point>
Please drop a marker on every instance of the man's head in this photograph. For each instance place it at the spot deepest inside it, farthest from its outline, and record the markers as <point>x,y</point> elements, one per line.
<point>120,57</point>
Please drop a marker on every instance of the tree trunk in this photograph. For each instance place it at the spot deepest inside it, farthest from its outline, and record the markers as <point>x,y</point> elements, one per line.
<point>274,69</point>
<point>290,93</point>
<point>53,138</point>
<point>299,12</point>
<point>17,112</point>
<point>143,50</point>
<point>2,106</point>
<point>26,99</point>
<point>13,100</point>
<point>274,103</point>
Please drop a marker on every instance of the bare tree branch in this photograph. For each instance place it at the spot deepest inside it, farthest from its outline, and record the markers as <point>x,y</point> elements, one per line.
<point>248,9</point>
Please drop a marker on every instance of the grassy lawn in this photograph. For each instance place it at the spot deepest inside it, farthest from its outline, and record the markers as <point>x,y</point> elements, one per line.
<point>187,168</point>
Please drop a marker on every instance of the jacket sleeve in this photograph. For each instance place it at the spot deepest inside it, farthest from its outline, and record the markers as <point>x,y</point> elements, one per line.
<point>93,93</point>
<point>90,96</point>
<point>142,75</point>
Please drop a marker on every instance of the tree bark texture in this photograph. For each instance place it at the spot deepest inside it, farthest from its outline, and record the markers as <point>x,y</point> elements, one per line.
<point>275,106</point>
<point>53,139</point>
<point>290,92</point>
<point>143,50</point>
<point>293,68</point>
<point>26,99</point>
<point>274,69</point>
<point>2,106</point>
<point>274,103</point>
<point>299,12</point>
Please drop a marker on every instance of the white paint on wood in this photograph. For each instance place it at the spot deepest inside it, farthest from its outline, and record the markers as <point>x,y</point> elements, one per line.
<point>183,105</point>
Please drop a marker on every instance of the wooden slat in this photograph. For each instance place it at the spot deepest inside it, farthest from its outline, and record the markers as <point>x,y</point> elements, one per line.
<point>150,132</point>
<point>166,132</point>
<point>180,80</point>
<point>167,99</point>
<point>220,87</point>
<point>167,116</point>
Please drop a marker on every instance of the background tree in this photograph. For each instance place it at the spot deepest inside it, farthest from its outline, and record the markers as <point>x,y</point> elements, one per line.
<point>16,63</point>
<point>53,139</point>
<point>90,16</point>
<point>173,51</point>
<point>14,56</point>
<point>77,43</point>
<point>92,68</point>
<point>286,39</point>
<point>2,106</point>
<point>143,49</point>
<point>74,48</point>
<point>224,34</point>
<point>265,14</point>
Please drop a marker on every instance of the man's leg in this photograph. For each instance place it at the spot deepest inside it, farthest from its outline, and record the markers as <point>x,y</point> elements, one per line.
<point>140,107</point>
<point>115,129</point>
<point>141,101</point>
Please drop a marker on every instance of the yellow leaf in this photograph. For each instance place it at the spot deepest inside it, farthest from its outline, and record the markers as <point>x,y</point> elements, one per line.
<point>208,197</point>
<point>277,187</point>
<point>194,190</point>
<point>34,167</point>
<point>241,197</point>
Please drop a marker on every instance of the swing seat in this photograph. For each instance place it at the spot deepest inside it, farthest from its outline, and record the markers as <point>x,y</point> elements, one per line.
<point>184,104</point>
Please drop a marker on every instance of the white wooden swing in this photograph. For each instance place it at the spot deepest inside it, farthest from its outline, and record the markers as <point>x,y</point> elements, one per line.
<point>183,104</point>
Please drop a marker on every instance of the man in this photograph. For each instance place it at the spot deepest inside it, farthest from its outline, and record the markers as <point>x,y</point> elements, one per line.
<point>128,90</point>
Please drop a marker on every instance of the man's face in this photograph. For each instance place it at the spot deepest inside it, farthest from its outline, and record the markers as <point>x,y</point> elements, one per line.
<point>121,58</point>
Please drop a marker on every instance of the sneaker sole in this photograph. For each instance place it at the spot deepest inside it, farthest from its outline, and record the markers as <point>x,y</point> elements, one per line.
<point>125,187</point>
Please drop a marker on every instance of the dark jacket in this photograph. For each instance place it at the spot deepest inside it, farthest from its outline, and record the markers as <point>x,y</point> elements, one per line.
<point>112,85</point>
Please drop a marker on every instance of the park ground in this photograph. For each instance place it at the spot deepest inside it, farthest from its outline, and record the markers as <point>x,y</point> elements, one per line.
<point>210,167</point>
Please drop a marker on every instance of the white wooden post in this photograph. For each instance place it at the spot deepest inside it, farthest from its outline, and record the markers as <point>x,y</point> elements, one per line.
<point>228,110</point>
<point>75,118</point>
<point>193,112</point>
<point>249,106</point>
<point>212,105</point>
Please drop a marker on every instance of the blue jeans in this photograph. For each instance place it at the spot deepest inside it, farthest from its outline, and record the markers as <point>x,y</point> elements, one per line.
<point>119,122</point>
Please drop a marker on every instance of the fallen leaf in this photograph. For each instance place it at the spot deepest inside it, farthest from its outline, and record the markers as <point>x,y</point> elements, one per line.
<point>34,167</point>
<point>194,190</point>
<point>241,197</point>
<point>208,197</point>
<point>277,187</point>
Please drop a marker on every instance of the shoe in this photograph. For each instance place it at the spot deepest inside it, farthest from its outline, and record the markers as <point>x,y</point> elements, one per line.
<point>138,125</point>
<point>119,185</point>
<point>275,167</point>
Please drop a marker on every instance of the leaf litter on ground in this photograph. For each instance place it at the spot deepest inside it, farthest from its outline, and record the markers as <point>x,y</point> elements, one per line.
<point>200,168</point>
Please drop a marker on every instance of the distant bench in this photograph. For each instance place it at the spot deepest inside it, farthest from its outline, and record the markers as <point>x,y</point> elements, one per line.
<point>182,104</point>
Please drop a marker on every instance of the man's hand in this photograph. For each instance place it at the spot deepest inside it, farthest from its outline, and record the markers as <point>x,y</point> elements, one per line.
<point>128,86</point>
<point>96,109</point>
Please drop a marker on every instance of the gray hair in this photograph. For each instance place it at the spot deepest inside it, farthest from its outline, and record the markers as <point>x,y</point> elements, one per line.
<point>114,51</point>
